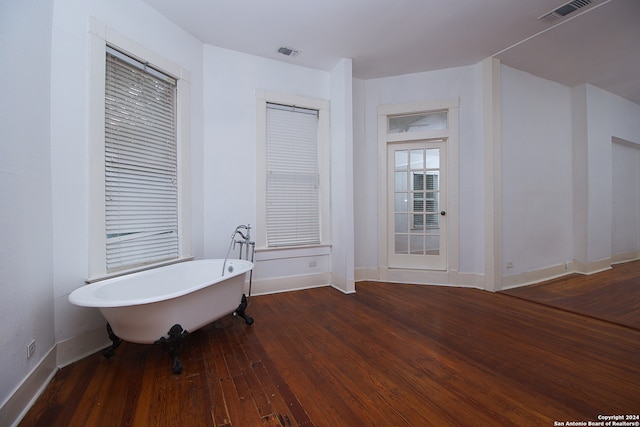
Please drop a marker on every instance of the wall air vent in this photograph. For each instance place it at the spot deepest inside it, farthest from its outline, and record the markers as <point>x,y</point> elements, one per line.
<point>563,11</point>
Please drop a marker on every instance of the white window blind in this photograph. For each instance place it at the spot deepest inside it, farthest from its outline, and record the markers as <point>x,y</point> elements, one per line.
<point>140,164</point>
<point>293,196</point>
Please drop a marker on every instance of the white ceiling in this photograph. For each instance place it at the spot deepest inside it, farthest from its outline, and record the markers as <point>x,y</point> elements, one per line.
<point>598,44</point>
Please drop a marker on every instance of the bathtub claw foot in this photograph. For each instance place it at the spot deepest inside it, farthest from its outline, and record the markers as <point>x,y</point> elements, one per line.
<point>241,311</point>
<point>173,345</point>
<point>115,342</point>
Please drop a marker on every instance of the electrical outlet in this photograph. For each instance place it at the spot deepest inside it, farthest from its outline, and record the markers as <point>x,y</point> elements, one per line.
<point>31,348</point>
<point>510,264</point>
<point>312,263</point>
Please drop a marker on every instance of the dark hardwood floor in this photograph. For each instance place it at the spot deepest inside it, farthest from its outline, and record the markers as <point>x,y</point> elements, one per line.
<point>612,295</point>
<point>389,355</point>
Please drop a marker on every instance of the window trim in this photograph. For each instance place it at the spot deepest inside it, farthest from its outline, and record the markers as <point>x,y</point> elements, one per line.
<point>100,37</point>
<point>262,98</point>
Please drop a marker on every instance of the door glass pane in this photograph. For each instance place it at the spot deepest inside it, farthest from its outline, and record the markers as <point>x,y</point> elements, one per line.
<point>401,203</point>
<point>432,246</point>
<point>416,244</point>
<point>431,203</point>
<point>432,222</point>
<point>416,201</point>
<point>401,159</point>
<point>431,180</point>
<point>401,181</point>
<point>418,222</point>
<point>402,223</point>
<point>401,244</point>
<point>433,158</point>
<point>418,122</point>
<point>417,159</point>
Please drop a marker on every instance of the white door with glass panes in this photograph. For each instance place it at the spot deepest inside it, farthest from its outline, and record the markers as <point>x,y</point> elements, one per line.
<point>417,205</point>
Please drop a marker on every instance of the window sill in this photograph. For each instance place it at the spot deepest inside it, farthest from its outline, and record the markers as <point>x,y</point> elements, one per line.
<point>119,273</point>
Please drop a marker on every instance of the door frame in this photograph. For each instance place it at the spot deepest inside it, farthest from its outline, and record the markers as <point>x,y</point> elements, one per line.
<point>412,261</point>
<point>384,139</point>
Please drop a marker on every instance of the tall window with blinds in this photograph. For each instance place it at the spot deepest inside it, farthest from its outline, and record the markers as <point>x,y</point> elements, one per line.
<point>140,164</point>
<point>293,177</point>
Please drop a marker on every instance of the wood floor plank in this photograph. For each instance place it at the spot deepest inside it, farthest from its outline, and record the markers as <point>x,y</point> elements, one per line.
<point>215,370</point>
<point>95,394</point>
<point>255,391</point>
<point>143,415</point>
<point>388,355</point>
<point>286,408</point>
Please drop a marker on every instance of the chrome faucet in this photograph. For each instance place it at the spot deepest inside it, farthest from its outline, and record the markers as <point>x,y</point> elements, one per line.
<point>239,229</point>
<point>245,240</point>
<point>244,231</point>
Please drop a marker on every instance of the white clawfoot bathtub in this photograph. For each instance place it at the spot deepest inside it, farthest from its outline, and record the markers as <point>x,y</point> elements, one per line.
<point>142,307</point>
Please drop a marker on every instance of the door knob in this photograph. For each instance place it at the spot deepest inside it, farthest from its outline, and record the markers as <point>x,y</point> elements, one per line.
<point>443,213</point>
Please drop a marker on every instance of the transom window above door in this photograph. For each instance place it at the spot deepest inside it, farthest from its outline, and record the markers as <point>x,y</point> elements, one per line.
<point>433,120</point>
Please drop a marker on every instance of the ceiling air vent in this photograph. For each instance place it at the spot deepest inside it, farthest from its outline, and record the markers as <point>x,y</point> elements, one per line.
<point>288,51</point>
<point>564,10</point>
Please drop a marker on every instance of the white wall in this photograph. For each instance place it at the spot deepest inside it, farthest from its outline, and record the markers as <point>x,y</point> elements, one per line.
<point>558,191</point>
<point>580,173</point>
<point>229,158</point>
<point>625,200</point>
<point>26,256</point>
<point>231,81</point>
<point>464,83</point>
<point>607,116</point>
<point>363,177</point>
<point>536,173</point>
<point>342,215</point>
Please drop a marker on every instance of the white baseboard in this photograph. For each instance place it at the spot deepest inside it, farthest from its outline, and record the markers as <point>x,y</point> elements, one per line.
<point>625,257</point>
<point>468,280</point>
<point>536,276</point>
<point>79,347</point>
<point>366,274</point>
<point>346,292</point>
<point>289,283</point>
<point>420,277</point>
<point>25,395</point>
<point>555,271</point>
<point>343,285</point>
<point>592,267</point>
